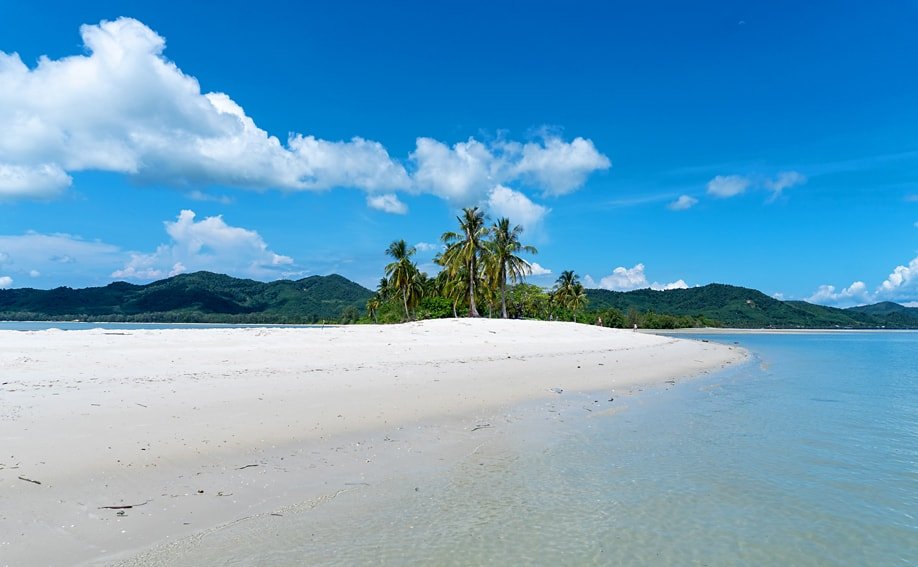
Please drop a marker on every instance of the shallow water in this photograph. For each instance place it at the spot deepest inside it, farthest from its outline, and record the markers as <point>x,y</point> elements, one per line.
<point>806,456</point>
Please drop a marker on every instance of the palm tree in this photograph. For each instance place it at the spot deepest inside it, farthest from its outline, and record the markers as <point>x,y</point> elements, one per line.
<point>577,299</point>
<point>569,292</point>
<point>504,262</point>
<point>382,289</point>
<point>453,285</point>
<point>373,306</point>
<point>465,250</point>
<point>401,271</point>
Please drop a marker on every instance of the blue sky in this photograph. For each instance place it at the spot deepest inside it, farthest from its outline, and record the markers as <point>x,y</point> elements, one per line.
<point>766,144</point>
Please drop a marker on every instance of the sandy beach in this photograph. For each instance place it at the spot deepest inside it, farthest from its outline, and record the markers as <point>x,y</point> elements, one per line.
<point>118,441</point>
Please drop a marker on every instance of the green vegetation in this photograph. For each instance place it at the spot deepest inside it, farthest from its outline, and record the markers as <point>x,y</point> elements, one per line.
<point>482,274</point>
<point>201,297</point>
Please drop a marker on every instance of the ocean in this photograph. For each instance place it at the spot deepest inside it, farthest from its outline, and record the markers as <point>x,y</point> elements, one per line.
<point>806,455</point>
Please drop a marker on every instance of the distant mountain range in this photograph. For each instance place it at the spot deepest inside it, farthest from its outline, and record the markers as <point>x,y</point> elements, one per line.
<point>216,298</point>
<point>192,298</point>
<point>742,307</point>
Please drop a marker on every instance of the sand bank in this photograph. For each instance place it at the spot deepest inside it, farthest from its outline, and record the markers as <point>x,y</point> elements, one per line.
<point>141,437</point>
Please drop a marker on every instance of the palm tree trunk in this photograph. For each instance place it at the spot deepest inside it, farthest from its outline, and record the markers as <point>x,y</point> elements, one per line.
<point>405,303</point>
<point>473,310</point>
<point>503,295</point>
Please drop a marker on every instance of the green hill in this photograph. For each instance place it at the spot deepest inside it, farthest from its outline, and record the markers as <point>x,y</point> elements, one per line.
<point>740,307</point>
<point>196,297</point>
<point>205,297</point>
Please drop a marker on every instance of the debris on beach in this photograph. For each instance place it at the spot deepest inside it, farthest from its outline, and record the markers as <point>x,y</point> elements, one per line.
<point>123,506</point>
<point>556,390</point>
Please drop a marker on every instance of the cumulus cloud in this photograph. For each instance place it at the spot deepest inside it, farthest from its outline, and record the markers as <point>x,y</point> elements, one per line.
<point>678,284</point>
<point>6,282</point>
<point>627,279</point>
<point>900,286</point>
<point>724,186</point>
<point>208,244</point>
<point>505,202</point>
<point>123,107</point>
<point>536,270</point>
<point>459,173</point>
<point>35,181</point>
<point>902,280</point>
<point>855,294</point>
<point>468,170</point>
<point>555,166</point>
<point>388,203</point>
<point>682,203</point>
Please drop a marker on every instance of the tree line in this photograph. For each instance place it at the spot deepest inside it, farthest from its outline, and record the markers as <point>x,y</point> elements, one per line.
<point>482,272</point>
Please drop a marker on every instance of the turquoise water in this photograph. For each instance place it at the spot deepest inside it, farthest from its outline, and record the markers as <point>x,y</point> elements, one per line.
<point>808,455</point>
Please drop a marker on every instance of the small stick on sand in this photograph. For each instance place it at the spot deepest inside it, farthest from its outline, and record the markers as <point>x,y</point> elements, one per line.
<point>124,507</point>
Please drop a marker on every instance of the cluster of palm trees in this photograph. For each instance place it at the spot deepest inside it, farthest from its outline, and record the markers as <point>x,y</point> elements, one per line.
<point>478,261</point>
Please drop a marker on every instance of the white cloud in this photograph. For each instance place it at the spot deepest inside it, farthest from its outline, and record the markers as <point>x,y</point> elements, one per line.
<point>358,163</point>
<point>554,166</point>
<point>902,280</point>
<point>724,186</point>
<point>505,202</point>
<point>901,286</point>
<point>682,203</point>
<point>427,247</point>
<point>6,282</point>
<point>468,170</point>
<point>58,256</point>
<point>34,181</point>
<point>536,270</point>
<point>678,284</point>
<point>123,107</point>
<point>208,244</point>
<point>784,180</point>
<point>459,173</point>
<point>627,279</point>
<point>198,195</point>
<point>855,294</point>
<point>389,203</point>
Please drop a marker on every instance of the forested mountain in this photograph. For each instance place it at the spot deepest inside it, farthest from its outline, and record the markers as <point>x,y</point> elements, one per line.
<point>217,298</point>
<point>196,297</point>
<point>732,306</point>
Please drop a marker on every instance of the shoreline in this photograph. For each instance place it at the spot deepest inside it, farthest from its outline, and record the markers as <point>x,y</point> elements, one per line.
<point>195,429</point>
<point>744,331</point>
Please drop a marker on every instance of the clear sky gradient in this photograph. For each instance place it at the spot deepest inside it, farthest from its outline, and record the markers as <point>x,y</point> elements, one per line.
<point>766,144</point>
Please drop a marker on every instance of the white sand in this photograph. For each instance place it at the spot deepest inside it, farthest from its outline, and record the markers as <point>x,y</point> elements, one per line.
<point>170,419</point>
